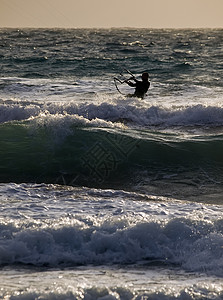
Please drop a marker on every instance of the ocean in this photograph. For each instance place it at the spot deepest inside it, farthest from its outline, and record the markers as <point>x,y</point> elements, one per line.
<point>102,195</point>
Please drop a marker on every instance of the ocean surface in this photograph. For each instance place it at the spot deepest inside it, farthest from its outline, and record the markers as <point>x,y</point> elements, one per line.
<point>105,196</point>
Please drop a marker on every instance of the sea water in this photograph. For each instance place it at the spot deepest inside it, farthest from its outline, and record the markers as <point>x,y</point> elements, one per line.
<point>103,196</point>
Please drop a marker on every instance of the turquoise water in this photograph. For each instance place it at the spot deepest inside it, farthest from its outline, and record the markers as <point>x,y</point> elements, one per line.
<point>105,196</point>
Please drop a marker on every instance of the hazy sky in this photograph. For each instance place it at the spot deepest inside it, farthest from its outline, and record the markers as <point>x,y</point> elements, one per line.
<point>111,13</point>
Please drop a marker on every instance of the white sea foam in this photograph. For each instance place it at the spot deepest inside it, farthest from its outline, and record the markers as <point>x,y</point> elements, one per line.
<point>17,112</point>
<point>199,292</point>
<point>195,115</point>
<point>196,246</point>
<point>83,226</point>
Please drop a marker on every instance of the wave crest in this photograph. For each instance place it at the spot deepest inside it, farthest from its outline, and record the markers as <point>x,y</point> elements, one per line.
<point>196,115</point>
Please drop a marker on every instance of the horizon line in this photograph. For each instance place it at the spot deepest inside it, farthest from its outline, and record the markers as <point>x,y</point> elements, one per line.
<point>109,28</point>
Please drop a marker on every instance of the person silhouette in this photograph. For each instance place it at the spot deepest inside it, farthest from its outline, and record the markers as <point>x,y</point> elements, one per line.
<point>141,87</point>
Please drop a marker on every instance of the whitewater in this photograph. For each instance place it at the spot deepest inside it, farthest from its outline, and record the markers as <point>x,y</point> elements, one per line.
<point>104,196</point>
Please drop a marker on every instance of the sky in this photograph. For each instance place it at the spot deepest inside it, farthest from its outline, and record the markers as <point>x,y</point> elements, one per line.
<point>112,13</point>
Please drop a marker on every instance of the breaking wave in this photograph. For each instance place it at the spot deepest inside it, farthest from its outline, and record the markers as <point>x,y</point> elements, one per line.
<point>195,115</point>
<point>49,146</point>
<point>195,245</point>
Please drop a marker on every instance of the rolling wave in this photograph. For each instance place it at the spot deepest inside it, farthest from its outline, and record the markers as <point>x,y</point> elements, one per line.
<point>48,147</point>
<point>195,115</point>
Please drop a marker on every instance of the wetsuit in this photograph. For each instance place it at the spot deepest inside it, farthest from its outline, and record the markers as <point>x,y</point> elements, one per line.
<point>141,87</point>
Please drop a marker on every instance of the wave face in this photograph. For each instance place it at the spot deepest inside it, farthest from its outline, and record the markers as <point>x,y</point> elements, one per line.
<point>72,149</point>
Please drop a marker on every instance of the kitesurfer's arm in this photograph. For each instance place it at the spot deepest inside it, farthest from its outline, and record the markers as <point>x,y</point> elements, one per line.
<point>130,83</point>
